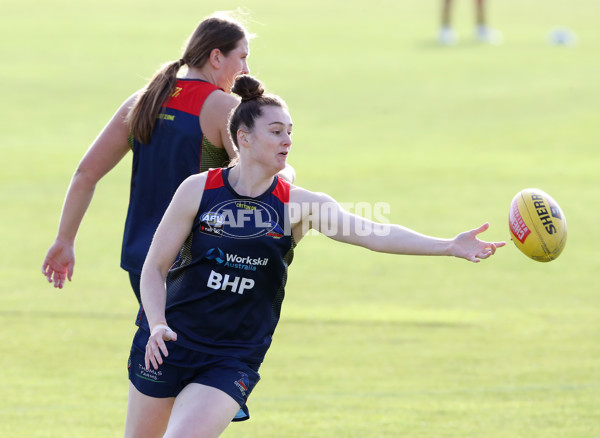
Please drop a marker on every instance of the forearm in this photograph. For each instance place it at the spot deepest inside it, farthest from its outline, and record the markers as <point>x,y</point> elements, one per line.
<point>395,239</point>
<point>104,154</point>
<point>322,213</point>
<point>154,295</point>
<point>78,199</point>
<point>385,238</point>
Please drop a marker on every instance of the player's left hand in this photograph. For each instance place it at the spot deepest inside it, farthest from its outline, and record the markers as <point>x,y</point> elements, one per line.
<point>467,246</point>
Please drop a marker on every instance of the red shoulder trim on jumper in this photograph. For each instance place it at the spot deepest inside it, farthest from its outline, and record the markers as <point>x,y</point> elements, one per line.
<point>214,180</point>
<point>189,96</point>
<point>282,190</point>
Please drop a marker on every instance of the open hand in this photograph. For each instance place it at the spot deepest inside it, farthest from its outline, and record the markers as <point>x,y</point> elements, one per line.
<point>467,246</point>
<point>59,263</point>
<point>156,345</point>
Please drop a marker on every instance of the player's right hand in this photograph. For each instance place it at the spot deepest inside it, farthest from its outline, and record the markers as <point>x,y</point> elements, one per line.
<point>59,263</point>
<point>156,345</point>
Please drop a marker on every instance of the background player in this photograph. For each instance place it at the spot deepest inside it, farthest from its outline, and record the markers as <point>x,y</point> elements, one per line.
<point>176,127</point>
<point>483,32</point>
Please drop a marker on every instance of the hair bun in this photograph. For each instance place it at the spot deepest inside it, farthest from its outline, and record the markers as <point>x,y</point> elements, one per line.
<point>248,88</point>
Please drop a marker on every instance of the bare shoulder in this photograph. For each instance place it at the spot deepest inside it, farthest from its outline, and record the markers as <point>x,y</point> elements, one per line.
<point>128,104</point>
<point>301,195</point>
<point>190,190</point>
<point>213,118</point>
<point>194,183</point>
<point>221,102</point>
<point>130,101</point>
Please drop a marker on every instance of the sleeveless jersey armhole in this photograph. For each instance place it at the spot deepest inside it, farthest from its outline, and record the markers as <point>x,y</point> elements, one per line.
<point>212,156</point>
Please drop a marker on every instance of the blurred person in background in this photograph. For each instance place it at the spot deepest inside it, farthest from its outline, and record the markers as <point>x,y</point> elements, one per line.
<point>483,33</point>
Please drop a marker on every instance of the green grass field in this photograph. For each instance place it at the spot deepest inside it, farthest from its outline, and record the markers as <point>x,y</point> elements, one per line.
<point>369,345</point>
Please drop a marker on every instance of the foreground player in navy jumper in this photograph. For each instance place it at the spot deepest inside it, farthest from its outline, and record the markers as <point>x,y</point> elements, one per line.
<point>207,322</point>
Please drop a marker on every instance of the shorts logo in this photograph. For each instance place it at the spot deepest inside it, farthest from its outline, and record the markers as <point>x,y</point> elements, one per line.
<point>243,383</point>
<point>150,375</point>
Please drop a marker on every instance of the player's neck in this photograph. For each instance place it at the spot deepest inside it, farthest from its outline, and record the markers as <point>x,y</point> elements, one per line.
<point>249,180</point>
<point>198,73</point>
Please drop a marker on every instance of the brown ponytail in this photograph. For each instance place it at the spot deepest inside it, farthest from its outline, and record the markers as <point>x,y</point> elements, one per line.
<point>216,32</point>
<point>143,115</point>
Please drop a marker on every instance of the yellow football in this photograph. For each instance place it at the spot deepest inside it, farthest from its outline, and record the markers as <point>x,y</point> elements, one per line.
<point>538,226</point>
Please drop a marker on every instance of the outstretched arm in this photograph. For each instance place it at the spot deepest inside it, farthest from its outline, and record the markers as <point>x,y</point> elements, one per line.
<point>322,213</point>
<point>104,154</point>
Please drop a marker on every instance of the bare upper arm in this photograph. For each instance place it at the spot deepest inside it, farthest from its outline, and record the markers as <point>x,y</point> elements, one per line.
<point>109,147</point>
<point>305,209</point>
<point>213,120</point>
<point>177,222</point>
<point>319,211</point>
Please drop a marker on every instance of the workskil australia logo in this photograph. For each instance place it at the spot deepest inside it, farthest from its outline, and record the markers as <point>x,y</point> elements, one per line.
<point>215,254</point>
<point>235,261</point>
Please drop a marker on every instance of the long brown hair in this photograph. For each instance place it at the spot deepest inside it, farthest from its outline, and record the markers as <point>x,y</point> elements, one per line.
<point>215,32</point>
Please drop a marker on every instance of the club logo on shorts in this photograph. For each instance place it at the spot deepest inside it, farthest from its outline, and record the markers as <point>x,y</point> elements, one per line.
<point>243,383</point>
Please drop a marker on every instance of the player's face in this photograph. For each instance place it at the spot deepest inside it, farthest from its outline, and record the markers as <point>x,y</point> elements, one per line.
<point>234,64</point>
<point>272,137</point>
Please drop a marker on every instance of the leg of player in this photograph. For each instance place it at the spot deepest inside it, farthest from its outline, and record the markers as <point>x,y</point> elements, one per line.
<point>480,13</point>
<point>147,417</point>
<point>446,35</point>
<point>483,32</point>
<point>201,411</point>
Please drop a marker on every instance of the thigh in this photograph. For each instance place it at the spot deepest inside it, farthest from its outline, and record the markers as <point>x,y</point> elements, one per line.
<point>201,411</point>
<point>147,417</point>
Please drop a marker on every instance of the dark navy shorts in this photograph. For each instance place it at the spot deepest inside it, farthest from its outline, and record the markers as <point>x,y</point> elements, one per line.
<point>230,375</point>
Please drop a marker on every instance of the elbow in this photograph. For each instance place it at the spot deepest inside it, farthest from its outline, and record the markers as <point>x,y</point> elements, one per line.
<point>84,178</point>
<point>154,271</point>
<point>373,245</point>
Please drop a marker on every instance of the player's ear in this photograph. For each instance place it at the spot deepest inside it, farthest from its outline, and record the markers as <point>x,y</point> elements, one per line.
<point>215,58</point>
<point>242,137</point>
